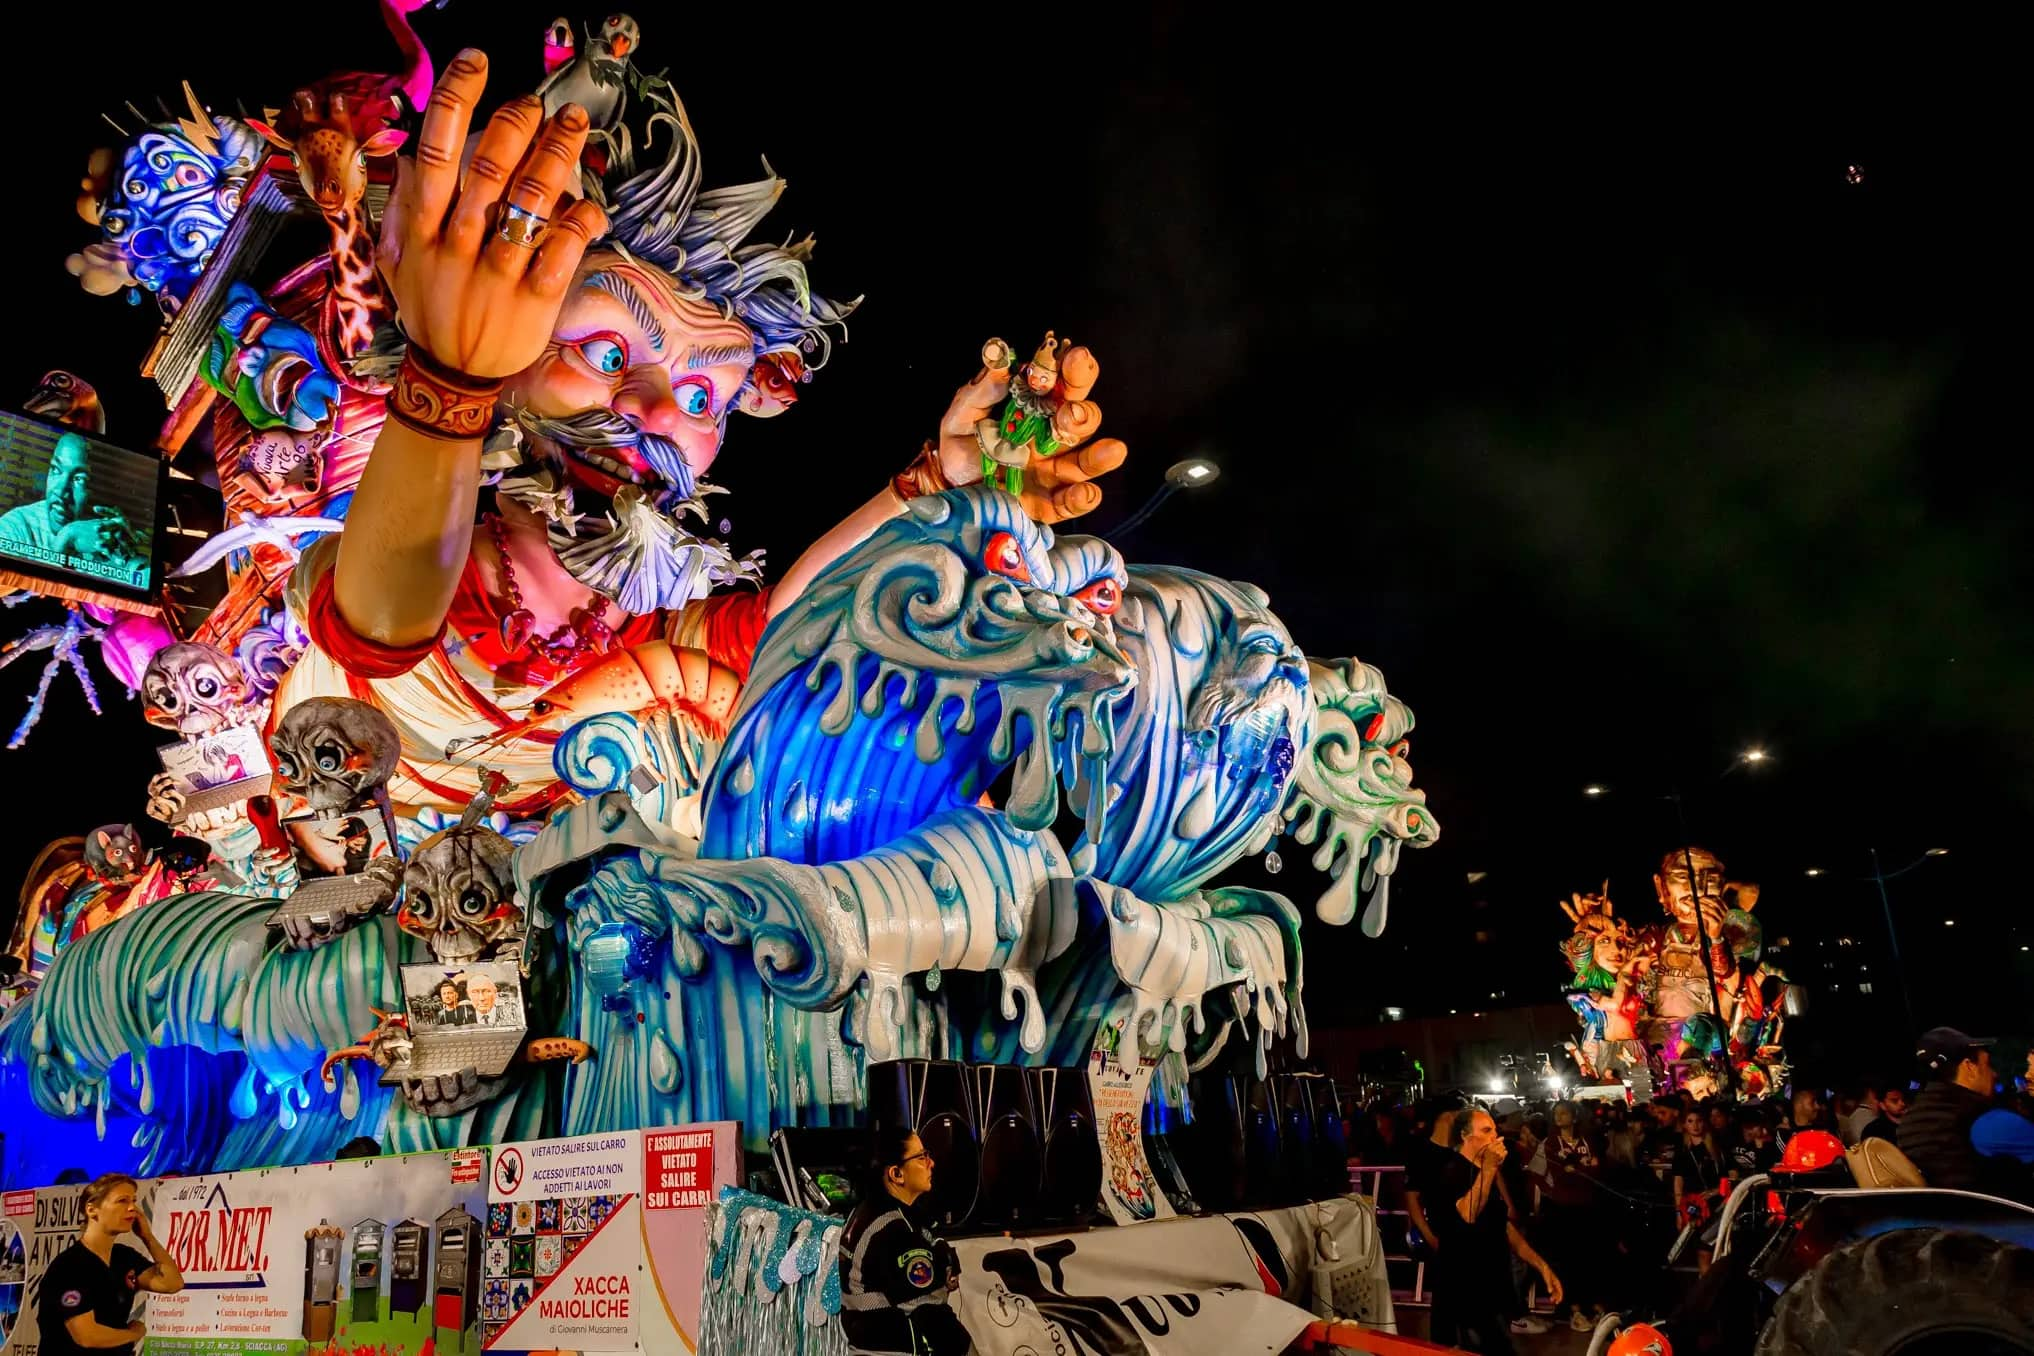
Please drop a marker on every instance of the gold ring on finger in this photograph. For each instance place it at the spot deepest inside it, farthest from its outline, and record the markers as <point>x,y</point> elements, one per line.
<point>521,226</point>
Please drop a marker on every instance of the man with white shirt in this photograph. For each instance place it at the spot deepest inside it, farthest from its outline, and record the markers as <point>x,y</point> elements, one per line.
<point>487,1007</point>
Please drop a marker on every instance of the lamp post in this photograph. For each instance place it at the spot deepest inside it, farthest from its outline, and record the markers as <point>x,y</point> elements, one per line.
<point>1879,877</point>
<point>1195,473</point>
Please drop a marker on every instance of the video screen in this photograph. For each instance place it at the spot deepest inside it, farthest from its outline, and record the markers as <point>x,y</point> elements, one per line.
<point>75,505</point>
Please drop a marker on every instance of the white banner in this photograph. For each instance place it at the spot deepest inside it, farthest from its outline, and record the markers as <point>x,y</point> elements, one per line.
<point>365,1254</point>
<point>564,1261</point>
<point>1169,1289</point>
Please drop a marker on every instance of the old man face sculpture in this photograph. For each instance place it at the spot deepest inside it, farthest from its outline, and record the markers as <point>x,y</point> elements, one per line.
<point>334,752</point>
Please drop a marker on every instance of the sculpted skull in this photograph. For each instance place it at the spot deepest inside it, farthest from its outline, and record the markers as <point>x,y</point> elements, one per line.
<point>194,689</point>
<point>334,752</point>
<point>459,895</point>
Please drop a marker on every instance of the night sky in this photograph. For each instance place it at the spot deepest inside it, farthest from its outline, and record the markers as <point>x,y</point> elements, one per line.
<point>1583,395</point>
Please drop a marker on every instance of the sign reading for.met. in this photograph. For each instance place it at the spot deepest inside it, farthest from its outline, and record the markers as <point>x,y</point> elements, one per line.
<point>679,1167</point>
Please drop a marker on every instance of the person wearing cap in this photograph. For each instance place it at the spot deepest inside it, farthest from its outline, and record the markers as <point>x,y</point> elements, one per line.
<point>2004,1140</point>
<point>1935,1132</point>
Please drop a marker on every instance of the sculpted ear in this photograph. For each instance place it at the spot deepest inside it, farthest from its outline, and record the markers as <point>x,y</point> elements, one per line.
<point>274,138</point>
<point>384,142</point>
<point>104,840</point>
<point>754,403</point>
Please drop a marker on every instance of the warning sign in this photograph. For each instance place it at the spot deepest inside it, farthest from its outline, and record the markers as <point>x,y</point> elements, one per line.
<point>678,1168</point>
<point>466,1164</point>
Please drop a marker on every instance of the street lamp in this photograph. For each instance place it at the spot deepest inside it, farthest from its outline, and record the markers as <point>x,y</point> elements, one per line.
<point>1592,790</point>
<point>1195,473</point>
<point>1813,871</point>
<point>1879,877</point>
<point>1755,755</point>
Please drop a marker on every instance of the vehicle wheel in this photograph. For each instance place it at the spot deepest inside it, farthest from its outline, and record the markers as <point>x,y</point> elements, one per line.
<point>1913,1292</point>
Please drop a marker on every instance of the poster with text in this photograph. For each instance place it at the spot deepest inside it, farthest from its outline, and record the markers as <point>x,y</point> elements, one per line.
<point>376,1254</point>
<point>1119,1079</point>
<point>684,1168</point>
<point>564,1267</point>
<point>41,1224</point>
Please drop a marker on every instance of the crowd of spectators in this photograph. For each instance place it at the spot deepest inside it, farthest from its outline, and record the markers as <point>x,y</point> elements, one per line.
<point>1582,1201</point>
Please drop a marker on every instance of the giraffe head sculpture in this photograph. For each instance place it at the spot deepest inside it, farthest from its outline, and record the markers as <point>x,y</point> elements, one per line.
<point>331,130</point>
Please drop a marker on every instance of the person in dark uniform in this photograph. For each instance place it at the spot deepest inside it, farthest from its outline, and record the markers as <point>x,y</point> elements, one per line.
<point>89,1289</point>
<point>894,1278</point>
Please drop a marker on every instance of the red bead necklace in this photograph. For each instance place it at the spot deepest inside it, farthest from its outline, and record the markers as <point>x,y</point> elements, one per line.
<point>586,633</point>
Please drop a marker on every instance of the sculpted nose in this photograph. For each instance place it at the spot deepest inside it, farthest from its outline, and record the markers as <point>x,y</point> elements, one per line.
<point>645,399</point>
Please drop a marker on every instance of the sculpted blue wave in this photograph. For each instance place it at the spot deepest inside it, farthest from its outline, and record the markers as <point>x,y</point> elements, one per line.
<point>836,888</point>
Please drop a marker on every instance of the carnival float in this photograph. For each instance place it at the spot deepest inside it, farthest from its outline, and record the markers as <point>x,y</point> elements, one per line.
<point>1686,1003</point>
<point>476,717</point>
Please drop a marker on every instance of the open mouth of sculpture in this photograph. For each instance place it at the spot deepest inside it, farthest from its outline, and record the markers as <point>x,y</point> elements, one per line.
<point>604,470</point>
<point>279,381</point>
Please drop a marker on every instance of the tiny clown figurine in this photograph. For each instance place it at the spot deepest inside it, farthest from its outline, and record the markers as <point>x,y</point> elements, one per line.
<point>1037,419</point>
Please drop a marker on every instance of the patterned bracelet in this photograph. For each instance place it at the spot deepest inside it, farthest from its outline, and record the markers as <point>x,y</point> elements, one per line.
<point>923,476</point>
<point>439,402</point>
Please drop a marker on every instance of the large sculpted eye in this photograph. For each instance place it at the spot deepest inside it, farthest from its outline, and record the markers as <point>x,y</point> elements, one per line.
<point>1005,557</point>
<point>330,757</point>
<point>206,686</point>
<point>285,766</point>
<point>605,353</point>
<point>166,699</point>
<point>1101,597</point>
<point>188,175</point>
<point>694,396</point>
<point>472,902</point>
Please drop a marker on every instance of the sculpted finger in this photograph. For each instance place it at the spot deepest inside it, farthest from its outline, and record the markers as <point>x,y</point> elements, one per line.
<point>396,219</point>
<point>1098,458</point>
<point>446,117</point>
<point>1077,372</point>
<point>550,167</point>
<point>565,244</point>
<point>1076,421</point>
<point>501,148</point>
<point>972,402</point>
<point>1069,501</point>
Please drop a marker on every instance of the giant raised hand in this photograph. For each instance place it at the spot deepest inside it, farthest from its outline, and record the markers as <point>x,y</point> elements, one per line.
<point>479,263</point>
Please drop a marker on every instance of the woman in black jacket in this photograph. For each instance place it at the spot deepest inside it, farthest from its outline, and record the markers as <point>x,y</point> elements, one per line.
<point>894,1278</point>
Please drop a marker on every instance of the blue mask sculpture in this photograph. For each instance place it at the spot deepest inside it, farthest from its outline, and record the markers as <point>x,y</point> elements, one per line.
<point>179,186</point>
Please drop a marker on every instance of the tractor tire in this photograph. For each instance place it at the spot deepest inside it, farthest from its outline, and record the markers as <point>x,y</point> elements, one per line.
<point>1910,1291</point>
